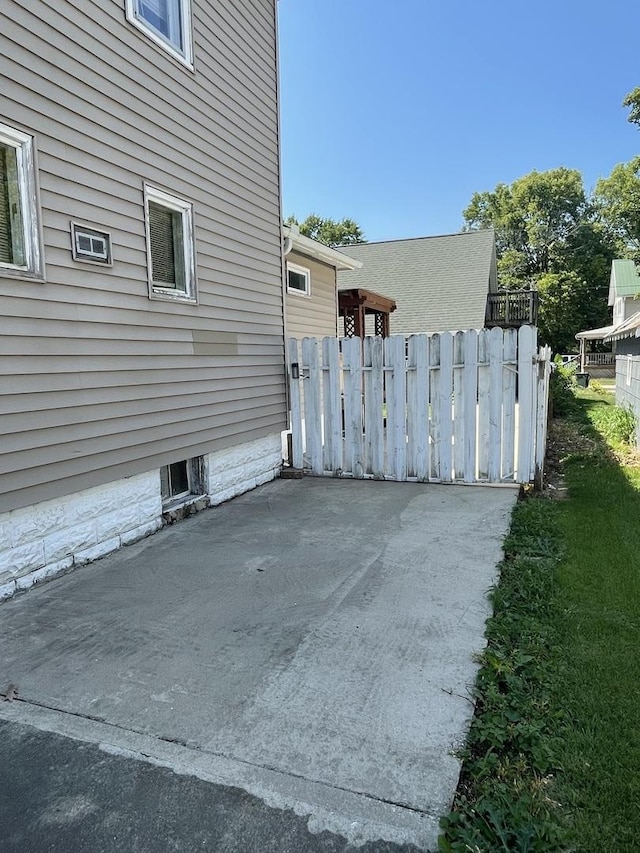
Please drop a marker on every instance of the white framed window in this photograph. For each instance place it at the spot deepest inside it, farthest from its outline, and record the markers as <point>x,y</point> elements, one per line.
<point>170,250</point>
<point>20,244</point>
<point>298,280</point>
<point>180,481</point>
<point>167,22</point>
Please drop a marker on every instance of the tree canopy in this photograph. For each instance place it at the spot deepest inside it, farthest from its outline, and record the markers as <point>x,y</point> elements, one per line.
<point>531,217</point>
<point>549,237</point>
<point>618,202</point>
<point>331,232</point>
<point>633,101</point>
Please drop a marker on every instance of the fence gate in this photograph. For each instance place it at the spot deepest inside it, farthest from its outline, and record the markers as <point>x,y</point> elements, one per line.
<point>464,407</point>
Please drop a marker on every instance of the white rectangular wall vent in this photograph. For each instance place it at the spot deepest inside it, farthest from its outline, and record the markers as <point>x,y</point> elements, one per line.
<point>90,245</point>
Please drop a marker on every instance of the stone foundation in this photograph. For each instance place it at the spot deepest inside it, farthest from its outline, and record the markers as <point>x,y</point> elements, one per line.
<point>47,539</point>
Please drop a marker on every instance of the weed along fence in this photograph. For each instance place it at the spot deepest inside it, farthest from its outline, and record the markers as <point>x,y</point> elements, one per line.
<point>628,387</point>
<point>465,407</point>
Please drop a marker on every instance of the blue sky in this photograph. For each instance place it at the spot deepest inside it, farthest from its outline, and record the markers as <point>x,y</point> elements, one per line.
<point>395,113</point>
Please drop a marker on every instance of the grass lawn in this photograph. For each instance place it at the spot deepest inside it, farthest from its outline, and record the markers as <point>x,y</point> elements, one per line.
<point>552,762</point>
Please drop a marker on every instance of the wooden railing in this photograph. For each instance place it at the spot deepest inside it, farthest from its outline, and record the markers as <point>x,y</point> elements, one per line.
<point>512,309</point>
<point>600,359</point>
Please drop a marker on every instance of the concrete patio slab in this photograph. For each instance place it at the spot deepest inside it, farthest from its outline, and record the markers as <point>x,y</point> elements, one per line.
<point>311,642</point>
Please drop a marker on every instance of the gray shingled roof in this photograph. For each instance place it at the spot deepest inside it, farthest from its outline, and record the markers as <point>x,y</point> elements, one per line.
<point>439,283</point>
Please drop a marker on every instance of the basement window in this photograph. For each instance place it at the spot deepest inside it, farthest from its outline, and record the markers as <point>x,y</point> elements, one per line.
<point>181,480</point>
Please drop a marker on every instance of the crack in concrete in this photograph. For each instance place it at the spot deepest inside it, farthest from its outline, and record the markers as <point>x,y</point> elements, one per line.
<point>196,748</point>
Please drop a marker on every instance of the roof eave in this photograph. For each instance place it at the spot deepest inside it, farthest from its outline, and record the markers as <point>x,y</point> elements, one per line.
<point>319,252</point>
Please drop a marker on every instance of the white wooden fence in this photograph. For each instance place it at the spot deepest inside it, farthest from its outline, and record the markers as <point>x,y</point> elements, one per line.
<point>465,407</point>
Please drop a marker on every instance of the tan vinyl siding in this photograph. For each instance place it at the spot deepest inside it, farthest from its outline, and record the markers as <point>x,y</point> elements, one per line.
<point>98,381</point>
<point>315,315</point>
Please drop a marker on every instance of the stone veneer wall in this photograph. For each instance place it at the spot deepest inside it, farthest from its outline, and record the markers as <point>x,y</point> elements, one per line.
<point>239,469</point>
<point>41,541</point>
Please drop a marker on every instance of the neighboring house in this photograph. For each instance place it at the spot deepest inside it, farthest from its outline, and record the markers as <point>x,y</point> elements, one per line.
<point>141,277</point>
<point>311,302</point>
<point>624,336</point>
<point>624,296</point>
<point>624,299</point>
<point>438,283</point>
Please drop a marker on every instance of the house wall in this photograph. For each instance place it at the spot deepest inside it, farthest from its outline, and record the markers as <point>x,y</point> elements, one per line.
<point>628,346</point>
<point>628,384</point>
<point>630,307</point>
<point>100,383</point>
<point>313,316</point>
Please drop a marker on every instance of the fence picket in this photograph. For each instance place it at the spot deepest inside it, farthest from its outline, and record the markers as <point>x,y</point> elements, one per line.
<point>332,405</point>
<point>312,403</point>
<point>434,365</point>
<point>469,404</point>
<point>352,365</point>
<point>295,378</point>
<point>458,405</point>
<point>526,351</point>
<point>544,373</point>
<point>484,388</point>
<point>373,407</point>
<point>495,402</point>
<point>446,401</point>
<point>396,396</point>
<point>418,408</point>
<point>510,355</point>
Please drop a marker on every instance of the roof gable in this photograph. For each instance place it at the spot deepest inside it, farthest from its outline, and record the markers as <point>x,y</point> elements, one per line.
<point>624,281</point>
<point>439,283</point>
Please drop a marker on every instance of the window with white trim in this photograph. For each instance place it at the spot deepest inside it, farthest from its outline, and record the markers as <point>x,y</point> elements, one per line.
<point>170,252</point>
<point>20,249</point>
<point>167,22</point>
<point>298,280</point>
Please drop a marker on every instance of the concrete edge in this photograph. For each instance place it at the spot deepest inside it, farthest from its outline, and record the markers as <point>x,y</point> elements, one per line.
<point>357,817</point>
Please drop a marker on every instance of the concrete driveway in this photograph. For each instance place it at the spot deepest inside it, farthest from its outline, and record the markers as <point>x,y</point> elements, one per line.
<point>310,642</point>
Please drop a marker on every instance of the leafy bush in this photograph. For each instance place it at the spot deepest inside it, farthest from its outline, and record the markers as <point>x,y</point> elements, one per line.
<point>616,423</point>
<point>561,385</point>
<point>598,388</point>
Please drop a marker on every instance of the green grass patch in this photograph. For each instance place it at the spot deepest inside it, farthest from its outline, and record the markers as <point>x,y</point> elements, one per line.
<point>552,759</point>
<point>597,618</point>
<point>503,800</point>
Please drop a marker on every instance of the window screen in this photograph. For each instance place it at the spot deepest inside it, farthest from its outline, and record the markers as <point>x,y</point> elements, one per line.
<point>11,232</point>
<point>165,235</point>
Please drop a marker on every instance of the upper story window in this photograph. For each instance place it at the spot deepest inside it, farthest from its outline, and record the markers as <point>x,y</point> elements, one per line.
<point>298,279</point>
<point>20,249</point>
<point>167,22</point>
<point>618,310</point>
<point>170,252</point>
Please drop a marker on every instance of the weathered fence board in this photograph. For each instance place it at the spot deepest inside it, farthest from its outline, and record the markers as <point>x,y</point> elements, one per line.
<point>465,407</point>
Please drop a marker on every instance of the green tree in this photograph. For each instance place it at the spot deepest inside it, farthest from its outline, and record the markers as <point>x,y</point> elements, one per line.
<point>331,232</point>
<point>531,217</point>
<point>568,304</point>
<point>549,237</point>
<point>617,199</point>
<point>633,101</point>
